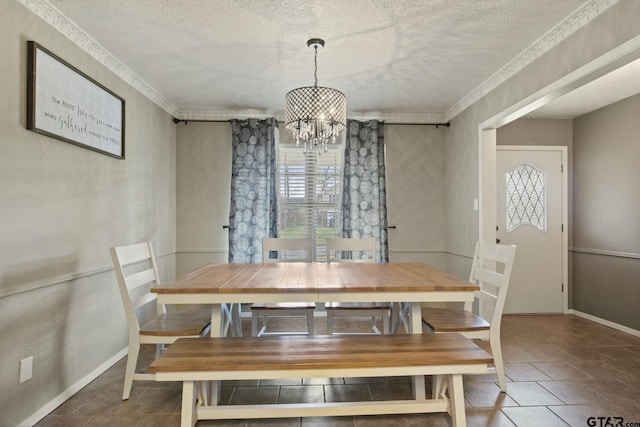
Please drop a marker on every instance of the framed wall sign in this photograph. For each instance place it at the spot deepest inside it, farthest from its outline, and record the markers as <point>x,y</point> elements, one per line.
<point>65,103</point>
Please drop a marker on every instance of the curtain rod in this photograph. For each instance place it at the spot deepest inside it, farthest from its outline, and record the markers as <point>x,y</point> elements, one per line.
<point>447,124</point>
<point>186,121</point>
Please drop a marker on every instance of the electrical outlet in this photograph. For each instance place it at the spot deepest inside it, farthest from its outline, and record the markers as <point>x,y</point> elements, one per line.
<point>26,370</point>
<point>475,205</point>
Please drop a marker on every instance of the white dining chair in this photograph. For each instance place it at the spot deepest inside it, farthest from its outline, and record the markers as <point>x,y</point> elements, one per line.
<point>287,250</point>
<point>149,322</point>
<point>336,250</point>
<point>491,269</point>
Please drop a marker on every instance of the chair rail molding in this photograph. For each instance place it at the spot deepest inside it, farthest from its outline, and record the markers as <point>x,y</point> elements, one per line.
<point>62,278</point>
<point>605,253</point>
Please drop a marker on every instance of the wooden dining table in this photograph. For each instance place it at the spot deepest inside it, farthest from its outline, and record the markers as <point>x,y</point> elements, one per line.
<point>229,285</point>
<point>224,285</point>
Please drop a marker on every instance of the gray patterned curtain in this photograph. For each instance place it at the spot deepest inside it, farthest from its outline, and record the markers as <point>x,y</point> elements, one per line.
<point>253,209</point>
<point>364,205</point>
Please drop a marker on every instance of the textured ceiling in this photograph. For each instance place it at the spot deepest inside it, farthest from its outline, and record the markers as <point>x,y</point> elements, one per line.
<point>390,57</point>
<point>612,87</point>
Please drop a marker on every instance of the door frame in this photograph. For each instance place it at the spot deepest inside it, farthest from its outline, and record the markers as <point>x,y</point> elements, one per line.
<point>564,206</point>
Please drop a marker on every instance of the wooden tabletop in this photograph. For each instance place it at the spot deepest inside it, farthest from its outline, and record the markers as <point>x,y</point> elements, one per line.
<point>315,277</point>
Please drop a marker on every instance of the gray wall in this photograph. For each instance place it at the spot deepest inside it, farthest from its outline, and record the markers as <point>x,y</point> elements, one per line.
<point>203,188</point>
<point>61,208</point>
<point>416,194</point>
<point>606,239</point>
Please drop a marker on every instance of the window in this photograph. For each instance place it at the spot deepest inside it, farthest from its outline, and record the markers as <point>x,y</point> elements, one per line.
<point>309,195</point>
<point>525,198</point>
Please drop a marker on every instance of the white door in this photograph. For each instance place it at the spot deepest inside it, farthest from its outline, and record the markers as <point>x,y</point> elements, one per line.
<point>530,215</point>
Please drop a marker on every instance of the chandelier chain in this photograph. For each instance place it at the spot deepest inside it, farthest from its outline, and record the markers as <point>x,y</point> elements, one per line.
<point>315,65</point>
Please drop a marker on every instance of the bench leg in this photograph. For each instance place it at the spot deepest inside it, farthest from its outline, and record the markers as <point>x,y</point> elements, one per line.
<point>329,322</point>
<point>437,388</point>
<point>310,326</point>
<point>213,392</point>
<point>456,400</point>
<point>419,392</point>
<point>254,323</point>
<point>188,417</point>
<point>385,323</point>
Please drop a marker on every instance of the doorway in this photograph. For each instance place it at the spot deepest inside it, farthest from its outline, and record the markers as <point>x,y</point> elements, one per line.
<point>601,66</point>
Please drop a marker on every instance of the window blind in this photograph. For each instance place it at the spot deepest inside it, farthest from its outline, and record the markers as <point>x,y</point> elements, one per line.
<point>310,188</point>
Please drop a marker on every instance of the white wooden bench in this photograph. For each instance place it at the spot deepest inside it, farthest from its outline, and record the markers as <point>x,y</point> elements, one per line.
<point>191,360</point>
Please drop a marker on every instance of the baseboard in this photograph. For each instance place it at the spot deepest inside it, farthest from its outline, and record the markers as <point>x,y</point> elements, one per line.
<point>83,382</point>
<point>604,322</point>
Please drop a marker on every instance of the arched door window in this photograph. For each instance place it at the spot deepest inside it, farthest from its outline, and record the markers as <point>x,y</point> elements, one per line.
<point>526,198</point>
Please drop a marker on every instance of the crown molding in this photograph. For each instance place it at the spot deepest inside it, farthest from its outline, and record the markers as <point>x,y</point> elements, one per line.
<point>575,21</point>
<point>552,38</point>
<point>52,16</point>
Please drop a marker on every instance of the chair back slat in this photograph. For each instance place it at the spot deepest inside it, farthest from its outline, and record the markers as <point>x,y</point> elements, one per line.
<point>486,297</point>
<point>338,245</point>
<point>142,300</point>
<point>141,278</point>
<point>132,254</point>
<point>487,276</point>
<point>302,250</point>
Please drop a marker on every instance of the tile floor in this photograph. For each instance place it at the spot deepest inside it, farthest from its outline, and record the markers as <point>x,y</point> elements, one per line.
<point>561,369</point>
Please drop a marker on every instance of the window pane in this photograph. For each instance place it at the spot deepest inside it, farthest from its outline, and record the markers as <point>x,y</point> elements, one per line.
<point>309,193</point>
<point>526,198</point>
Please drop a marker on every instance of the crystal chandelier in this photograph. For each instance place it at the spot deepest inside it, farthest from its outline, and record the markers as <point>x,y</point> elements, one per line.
<point>315,114</point>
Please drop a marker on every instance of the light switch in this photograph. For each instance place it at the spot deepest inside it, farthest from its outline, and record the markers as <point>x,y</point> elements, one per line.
<point>26,369</point>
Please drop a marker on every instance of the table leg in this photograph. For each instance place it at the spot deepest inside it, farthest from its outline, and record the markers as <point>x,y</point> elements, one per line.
<point>395,317</point>
<point>217,322</point>
<point>399,315</point>
<point>231,319</point>
<point>189,416</point>
<point>236,316</point>
<point>416,318</point>
<point>415,327</point>
<point>217,330</point>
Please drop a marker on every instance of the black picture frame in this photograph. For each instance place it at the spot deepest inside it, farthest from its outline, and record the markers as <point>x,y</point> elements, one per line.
<point>66,104</point>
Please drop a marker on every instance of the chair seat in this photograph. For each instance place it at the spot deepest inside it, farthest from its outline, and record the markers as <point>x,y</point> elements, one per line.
<point>284,305</point>
<point>181,323</point>
<point>357,306</point>
<point>445,320</point>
